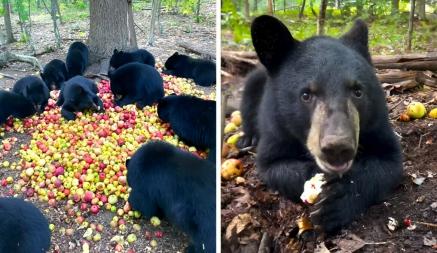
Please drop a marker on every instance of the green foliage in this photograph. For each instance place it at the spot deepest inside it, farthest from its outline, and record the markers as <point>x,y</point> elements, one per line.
<point>22,8</point>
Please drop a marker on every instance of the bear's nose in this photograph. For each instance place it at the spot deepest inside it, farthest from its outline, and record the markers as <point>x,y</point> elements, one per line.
<point>337,149</point>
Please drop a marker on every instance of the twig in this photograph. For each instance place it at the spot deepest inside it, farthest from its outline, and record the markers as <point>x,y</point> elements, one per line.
<point>426,224</point>
<point>140,28</point>
<point>7,76</point>
<point>420,139</point>
<point>396,105</point>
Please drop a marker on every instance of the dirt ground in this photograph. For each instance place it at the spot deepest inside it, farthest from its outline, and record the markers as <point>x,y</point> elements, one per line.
<point>175,28</point>
<point>266,222</point>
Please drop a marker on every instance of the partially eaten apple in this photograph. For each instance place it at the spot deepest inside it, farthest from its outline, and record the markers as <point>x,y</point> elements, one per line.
<point>312,188</point>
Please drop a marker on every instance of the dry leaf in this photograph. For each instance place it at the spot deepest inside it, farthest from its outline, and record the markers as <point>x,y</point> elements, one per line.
<point>429,241</point>
<point>350,244</point>
<point>321,248</point>
<point>238,224</point>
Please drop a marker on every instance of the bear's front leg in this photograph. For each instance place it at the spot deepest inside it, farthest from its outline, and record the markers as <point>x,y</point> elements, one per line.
<point>369,181</point>
<point>67,114</point>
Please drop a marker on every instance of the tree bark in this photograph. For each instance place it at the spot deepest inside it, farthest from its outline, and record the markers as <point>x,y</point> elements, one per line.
<point>7,17</point>
<point>411,24</point>
<point>246,9</point>
<point>109,28</point>
<point>7,56</point>
<point>394,6</point>
<point>198,11</point>
<point>130,20</point>
<point>321,17</point>
<point>270,7</point>
<point>302,9</point>
<point>153,20</point>
<point>421,9</point>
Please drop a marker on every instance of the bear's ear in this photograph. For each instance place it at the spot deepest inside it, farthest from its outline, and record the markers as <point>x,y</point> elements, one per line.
<point>115,51</point>
<point>357,38</point>
<point>176,54</point>
<point>272,41</point>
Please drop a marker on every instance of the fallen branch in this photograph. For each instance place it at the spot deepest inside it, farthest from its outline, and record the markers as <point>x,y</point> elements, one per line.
<point>197,51</point>
<point>7,76</point>
<point>7,56</point>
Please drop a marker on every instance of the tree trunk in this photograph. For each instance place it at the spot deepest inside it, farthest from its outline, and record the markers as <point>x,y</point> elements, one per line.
<point>270,7</point>
<point>246,9</point>
<point>7,17</point>
<point>421,9</point>
<point>58,10</point>
<point>321,17</point>
<point>302,9</point>
<point>53,13</point>
<point>130,20</point>
<point>198,11</point>
<point>284,6</point>
<point>337,4</point>
<point>107,34</point>
<point>410,24</point>
<point>394,6</point>
<point>255,5</point>
<point>153,20</point>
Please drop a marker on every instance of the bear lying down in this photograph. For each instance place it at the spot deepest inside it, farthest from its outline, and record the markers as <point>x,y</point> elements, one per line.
<point>319,107</point>
<point>174,184</point>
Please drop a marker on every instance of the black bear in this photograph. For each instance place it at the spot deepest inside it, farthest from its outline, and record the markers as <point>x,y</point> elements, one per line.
<point>322,109</point>
<point>13,104</point>
<point>191,118</point>
<point>77,59</point>
<point>120,58</point>
<point>136,83</point>
<point>35,90</point>
<point>78,94</point>
<point>178,186</point>
<point>23,228</point>
<point>200,70</point>
<point>54,74</point>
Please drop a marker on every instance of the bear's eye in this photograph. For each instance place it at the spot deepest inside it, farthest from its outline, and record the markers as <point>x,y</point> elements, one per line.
<point>357,92</point>
<point>306,96</point>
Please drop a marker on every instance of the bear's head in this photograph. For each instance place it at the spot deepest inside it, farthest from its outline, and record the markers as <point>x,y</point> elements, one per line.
<point>324,90</point>
<point>38,94</point>
<point>80,99</point>
<point>117,59</point>
<point>173,61</point>
<point>164,107</point>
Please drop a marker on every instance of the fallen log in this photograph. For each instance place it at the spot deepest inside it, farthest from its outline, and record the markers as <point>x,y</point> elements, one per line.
<point>410,65</point>
<point>197,51</point>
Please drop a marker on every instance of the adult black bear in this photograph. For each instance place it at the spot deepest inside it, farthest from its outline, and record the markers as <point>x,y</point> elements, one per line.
<point>78,94</point>
<point>136,83</point>
<point>23,228</point>
<point>200,70</point>
<point>119,58</point>
<point>174,184</point>
<point>13,104</point>
<point>54,74</point>
<point>77,59</point>
<point>322,110</point>
<point>191,118</point>
<point>35,90</point>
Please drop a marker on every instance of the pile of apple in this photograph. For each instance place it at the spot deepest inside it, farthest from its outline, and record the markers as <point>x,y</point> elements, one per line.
<point>83,161</point>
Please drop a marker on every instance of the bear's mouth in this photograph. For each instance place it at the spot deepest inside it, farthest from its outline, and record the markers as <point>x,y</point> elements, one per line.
<point>337,169</point>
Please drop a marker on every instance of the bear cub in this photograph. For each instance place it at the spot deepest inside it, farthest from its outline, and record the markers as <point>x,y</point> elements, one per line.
<point>178,186</point>
<point>136,83</point>
<point>77,95</point>
<point>77,59</point>
<point>320,108</point>
<point>191,118</point>
<point>200,70</point>
<point>35,90</point>
<point>13,104</point>
<point>119,58</point>
<point>23,228</point>
<point>54,74</point>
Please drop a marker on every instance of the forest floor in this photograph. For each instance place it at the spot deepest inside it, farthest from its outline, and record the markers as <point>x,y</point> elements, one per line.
<point>175,28</point>
<point>256,219</point>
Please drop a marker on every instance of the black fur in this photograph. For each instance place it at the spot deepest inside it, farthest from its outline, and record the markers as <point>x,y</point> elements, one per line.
<point>77,95</point>
<point>136,83</point>
<point>200,70</point>
<point>191,118</point>
<point>13,104</point>
<point>119,58</point>
<point>77,59</point>
<point>174,184</point>
<point>35,90</point>
<point>23,228</point>
<point>329,70</point>
<point>54,74</point>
